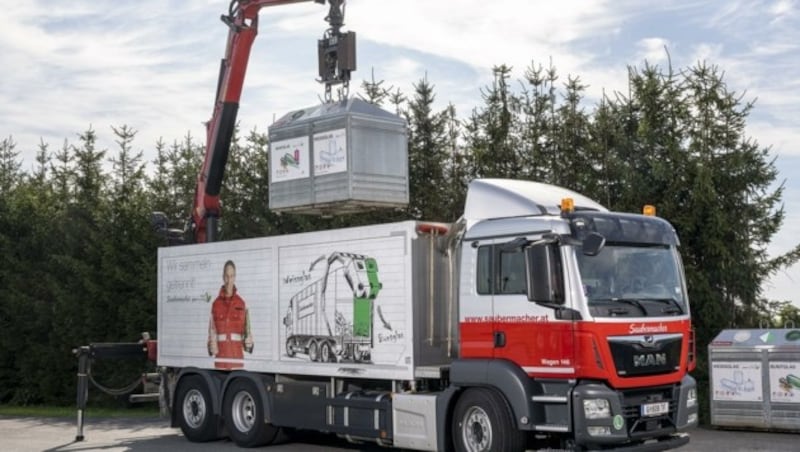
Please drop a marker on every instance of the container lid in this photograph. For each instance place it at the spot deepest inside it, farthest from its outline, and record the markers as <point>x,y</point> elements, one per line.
<point>761,338</point>
<point>342,108</point>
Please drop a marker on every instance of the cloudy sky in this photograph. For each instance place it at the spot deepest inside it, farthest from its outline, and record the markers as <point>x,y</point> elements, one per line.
<point>153,64</point>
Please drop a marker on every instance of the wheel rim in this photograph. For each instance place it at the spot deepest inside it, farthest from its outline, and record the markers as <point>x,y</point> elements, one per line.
<point>326,352</point>
<point>476,430</point>
<point>194,408</point>
<point>243,411</point>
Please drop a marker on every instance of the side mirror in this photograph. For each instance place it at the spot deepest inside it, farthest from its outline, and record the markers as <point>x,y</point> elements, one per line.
<point>545,278</point>
<point>593,243</point>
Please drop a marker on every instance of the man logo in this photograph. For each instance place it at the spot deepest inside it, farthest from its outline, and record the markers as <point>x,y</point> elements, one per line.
<point>650,360</point>
<point>648,341</point>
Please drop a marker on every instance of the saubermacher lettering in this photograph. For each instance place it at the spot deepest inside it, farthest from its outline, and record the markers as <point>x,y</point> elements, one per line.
<point>643,328</point>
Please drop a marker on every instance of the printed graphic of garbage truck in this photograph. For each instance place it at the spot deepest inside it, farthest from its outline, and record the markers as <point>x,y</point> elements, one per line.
<point>331,319</point>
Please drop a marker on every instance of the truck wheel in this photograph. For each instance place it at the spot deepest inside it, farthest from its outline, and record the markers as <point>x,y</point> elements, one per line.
<point>482,421</point>
<point>290,344</point>
<point>195,410</point>
<point>313,350</point>
<point>326,353</point>
<point>244,415</point>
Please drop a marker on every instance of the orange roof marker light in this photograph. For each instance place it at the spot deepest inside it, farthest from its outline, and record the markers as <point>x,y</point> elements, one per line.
<point>567,205</point>
<point>649,210</point>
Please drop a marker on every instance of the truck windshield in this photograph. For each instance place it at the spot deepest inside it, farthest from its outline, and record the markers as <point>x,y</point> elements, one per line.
<point>633,280</point>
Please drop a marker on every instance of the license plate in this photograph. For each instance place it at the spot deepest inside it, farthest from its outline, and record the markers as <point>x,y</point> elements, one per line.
<point>655,409</point>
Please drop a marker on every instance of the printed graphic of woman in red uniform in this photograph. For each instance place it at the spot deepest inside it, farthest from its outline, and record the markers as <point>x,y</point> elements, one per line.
<point>229,333</point>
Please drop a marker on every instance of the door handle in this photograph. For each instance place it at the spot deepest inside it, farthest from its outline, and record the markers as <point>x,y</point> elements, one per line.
<point>499,339</point>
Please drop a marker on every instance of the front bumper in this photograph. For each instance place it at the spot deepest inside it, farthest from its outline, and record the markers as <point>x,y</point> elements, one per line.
<point>656,445</point>
<point>626,428</point>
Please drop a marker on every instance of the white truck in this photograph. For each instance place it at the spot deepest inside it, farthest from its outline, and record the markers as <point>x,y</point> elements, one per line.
<point>518,326</point>
<point>539,319</point>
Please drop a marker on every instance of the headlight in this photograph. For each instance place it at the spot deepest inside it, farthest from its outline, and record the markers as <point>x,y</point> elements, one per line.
<point>691,397</point>
<point>596,408</point>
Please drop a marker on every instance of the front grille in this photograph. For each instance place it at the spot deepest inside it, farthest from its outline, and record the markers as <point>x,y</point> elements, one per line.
<point>646,355</point>
<point>644,427</point>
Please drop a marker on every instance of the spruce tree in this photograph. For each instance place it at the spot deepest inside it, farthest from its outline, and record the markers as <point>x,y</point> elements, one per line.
<point>491,130</point>
<point>736,209</point>
<point>572,168</point>
<point>538,154</point>
<point>457,171</point>
<point>374,91</point>
<point>426,154</point>
<point>129,258</point>
<point>9,164</point>
<point>184,159</point>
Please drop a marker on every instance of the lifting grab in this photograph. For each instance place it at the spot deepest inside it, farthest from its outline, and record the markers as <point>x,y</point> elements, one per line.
<point>336,52</point>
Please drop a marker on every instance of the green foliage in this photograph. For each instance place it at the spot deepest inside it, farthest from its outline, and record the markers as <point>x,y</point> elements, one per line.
<point>491,141</point>
<point>427,155</point>
<point>9,164</point>
<point>83,261</point>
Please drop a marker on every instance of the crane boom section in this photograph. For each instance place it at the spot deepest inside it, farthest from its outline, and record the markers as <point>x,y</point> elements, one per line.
<point>242,21</point>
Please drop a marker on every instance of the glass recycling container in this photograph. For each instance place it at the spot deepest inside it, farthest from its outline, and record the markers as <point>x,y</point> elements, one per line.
<point>335,158</point>
<point>755,379</point>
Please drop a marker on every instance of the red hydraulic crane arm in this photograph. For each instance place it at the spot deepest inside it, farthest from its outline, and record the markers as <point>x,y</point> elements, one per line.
<point>242,21</point>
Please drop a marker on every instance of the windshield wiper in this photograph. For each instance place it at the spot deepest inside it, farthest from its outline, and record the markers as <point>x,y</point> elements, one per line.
<point>631,301</point>
<point>677,309</point>
<point>614,312</point>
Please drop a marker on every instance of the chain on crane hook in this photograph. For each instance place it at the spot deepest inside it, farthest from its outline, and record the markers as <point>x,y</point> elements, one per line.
<point>336,53</point>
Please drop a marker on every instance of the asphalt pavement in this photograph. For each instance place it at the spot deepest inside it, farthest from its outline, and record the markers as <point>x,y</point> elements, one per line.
<point>37,434</point>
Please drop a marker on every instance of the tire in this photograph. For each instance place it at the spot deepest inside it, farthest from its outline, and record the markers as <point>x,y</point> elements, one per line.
<point>313,350</point>
<point>244,415</point>
<point>290,344</point>
<point>195,410</point>
<point>482,421</point>
<point>326,354</point>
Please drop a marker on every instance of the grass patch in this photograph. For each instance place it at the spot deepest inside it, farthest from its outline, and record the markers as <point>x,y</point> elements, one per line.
<point>143,411</point>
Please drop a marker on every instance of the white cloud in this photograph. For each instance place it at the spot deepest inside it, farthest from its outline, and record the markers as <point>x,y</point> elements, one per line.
<point>785,285</point>
<point>783,8</point>
<point>654,50</point>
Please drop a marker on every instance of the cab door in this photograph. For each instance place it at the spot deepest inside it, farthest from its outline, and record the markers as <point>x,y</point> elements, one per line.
<point>524,332</point>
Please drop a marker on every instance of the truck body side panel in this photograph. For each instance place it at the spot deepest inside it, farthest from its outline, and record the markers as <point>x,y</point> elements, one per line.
<point>190,279</point>
<point>351,292</point>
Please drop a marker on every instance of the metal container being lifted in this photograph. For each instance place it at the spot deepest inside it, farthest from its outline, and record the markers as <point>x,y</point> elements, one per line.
<point>755,379</point>
<point>335,158</point>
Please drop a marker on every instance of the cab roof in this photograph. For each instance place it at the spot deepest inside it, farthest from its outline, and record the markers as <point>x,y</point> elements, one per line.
<point>504,198</point>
